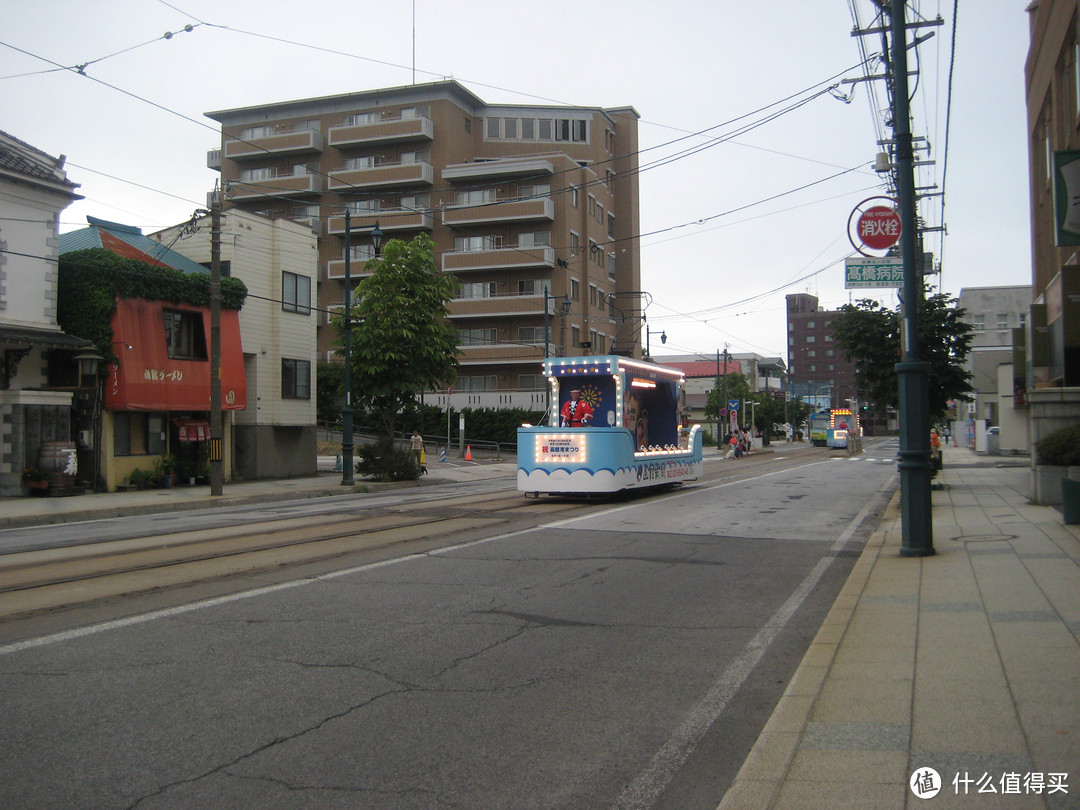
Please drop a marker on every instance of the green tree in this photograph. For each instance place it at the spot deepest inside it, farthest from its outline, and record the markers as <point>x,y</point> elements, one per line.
<point>401,340</point>
<point>869,334</point>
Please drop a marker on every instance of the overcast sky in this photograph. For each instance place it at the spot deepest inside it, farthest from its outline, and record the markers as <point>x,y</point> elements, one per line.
<point>760,212</point>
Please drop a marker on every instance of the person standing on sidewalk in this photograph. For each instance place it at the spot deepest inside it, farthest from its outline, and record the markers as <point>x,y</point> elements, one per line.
<point>416,444</point>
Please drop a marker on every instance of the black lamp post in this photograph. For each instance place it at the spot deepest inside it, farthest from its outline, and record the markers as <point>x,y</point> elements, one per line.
<point>648,333</point>
<point>347,412</point>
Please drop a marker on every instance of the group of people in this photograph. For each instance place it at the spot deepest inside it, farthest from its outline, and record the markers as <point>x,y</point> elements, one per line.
<point>737,442</point>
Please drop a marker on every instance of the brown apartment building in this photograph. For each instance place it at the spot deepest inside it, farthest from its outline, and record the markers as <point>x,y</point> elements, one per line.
<point>518,200</point>
<point>818,371</point>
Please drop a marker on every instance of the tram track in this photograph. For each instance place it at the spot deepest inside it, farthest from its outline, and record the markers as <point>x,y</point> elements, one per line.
<point>57,579</point>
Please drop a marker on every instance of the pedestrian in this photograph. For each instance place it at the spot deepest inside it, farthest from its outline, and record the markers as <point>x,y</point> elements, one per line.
<point>416,444</point>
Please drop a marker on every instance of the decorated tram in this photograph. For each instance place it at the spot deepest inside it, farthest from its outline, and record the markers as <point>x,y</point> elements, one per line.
<point>614,424</point>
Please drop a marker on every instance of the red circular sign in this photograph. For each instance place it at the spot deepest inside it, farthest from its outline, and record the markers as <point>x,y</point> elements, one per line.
<point>879,227</point>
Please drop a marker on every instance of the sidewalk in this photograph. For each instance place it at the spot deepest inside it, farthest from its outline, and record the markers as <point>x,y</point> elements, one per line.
<point>36,511</point>
<point>966,662</point>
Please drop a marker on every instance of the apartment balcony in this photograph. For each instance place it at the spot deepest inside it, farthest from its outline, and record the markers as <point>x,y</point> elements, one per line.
<point>390,220</point>
<point>502,354</point>
<point>291,185</point>
<point>302,142</point>
<point>499,169</point>
<point>335,269</point>
<point>500,306</point>
<point>392,130</point>
<point>393,174</point>
<point>498,259</point>
<point>505,211</point>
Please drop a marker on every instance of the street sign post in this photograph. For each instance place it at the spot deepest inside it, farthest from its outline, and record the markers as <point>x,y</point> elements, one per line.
<point>867,271</point>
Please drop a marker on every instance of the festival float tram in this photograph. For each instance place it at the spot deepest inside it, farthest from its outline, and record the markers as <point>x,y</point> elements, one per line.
<point>627,433</point>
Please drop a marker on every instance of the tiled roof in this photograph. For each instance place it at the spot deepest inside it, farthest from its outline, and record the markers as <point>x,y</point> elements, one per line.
<point>19,157</point>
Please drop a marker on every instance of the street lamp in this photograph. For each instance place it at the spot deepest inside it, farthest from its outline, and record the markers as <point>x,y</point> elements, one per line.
<point>347,411</point>
<point>648,333</point>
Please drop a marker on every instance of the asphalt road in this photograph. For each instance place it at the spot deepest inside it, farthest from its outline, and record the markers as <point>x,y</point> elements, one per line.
<point>624,659</point>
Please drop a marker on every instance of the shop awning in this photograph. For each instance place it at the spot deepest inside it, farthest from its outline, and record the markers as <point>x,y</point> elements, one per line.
<point>147,378</point>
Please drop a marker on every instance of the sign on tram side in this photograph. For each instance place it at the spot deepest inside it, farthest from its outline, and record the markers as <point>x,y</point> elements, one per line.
<point>867,271</point>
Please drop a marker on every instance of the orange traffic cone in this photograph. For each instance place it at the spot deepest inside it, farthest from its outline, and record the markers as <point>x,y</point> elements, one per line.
<point>468,452</point>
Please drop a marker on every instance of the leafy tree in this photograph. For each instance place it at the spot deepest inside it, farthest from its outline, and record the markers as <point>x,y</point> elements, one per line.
<point>401,341</point>
<point>869,334</point>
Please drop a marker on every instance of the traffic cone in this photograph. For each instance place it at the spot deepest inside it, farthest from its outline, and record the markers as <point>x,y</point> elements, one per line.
<point>468,452</point>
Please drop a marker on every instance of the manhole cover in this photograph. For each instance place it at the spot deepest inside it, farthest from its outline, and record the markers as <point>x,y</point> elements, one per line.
<point>985,538</point>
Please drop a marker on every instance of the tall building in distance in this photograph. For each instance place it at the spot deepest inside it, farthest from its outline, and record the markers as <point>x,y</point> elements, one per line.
<point>528,206</point>
<point>817,369</point>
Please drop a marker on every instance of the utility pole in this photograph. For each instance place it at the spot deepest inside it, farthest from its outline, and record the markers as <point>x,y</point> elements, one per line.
<point>217,466</point>
<point>911,373</point>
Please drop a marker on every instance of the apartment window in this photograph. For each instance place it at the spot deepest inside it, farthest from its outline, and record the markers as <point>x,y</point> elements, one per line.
<point>295,379</point>
<point>1002,321</point>
<point>534,239</point>
<point>600,344</point>
<point>545,129</point>
<point>510,127</point>
<point>415,112</point>
<point>574,196</point>
<point>571,130</point>
<point>600,213</point>
<point>575,336</point>
<point>476,337</point>
<point>296,293</point>
<point>811,325</point>
<point>478,289</point>
<point>530,286</point>
<point>575,243</point>
<point>360,253</point>
<point>364,206</point>
<point>475,197</point>
<point>528,129</point>
<point>592,206</point>
<point>611,264</point>
<point>811,353</point>
<point>532,382</point>
<point>419,156</point>
<point>575,289</point>
<point>477,382</point>
<point>610,226</point>
<point>257,132</point>
<point>979,323</point>
<point>358,119</point>
<point>811,339</point>
<point>609,141</point>
<point>466,244</point>
<point>493,127</point>
<point>254,175</point>
<point>138,434</point>
<point>416,202</point>
<point>829,338</point>
<point>536,190</point>
<point>468,126</point>
<point>184,335</point>
<point>531,334</point>
<point>365,162</point>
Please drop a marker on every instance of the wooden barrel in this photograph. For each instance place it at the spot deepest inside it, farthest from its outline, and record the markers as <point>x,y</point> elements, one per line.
<point>58,457</point>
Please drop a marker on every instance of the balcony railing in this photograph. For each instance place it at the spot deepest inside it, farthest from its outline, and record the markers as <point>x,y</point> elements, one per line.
<point>335,269</point>
<point>498,259</point>
<point>497,306</point>
<point>393,130</point>
<point>299,142</point>
<point>213,159</point>
<point>393,174</point>
<point>390,219</point>
<point>506,167</point>
<point>541,208</point>
<point>285,186</point>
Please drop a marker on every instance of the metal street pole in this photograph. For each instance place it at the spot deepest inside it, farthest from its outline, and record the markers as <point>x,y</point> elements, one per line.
<point>912,374</point>
<point>217,466</point>
<point>347,411</point>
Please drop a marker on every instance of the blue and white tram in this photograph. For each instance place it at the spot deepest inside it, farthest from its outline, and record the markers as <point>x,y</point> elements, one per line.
<point>634,440</point>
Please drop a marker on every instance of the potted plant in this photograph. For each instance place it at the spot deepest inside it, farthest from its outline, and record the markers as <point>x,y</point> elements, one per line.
<point>1054,454</point>
<point>164,469</point>
<point>35,479</point>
